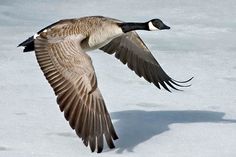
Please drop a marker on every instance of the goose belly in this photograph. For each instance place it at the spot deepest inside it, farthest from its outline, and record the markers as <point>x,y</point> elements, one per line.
<point>103,36</point>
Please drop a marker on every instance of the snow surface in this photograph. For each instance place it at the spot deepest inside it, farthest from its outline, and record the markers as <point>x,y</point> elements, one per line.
<point>199,122</point>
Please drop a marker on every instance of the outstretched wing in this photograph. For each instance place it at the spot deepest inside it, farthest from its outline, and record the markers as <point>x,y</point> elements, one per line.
<point>71,74</point>
<point>131,50</point>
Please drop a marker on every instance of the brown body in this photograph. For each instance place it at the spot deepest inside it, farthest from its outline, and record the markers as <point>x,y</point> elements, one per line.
<point>96,31</point>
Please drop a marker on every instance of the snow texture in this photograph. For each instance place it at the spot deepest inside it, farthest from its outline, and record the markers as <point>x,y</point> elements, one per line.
<point>198,122</point>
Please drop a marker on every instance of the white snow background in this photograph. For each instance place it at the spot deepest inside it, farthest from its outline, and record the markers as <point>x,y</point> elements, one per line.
<point>198,122</point>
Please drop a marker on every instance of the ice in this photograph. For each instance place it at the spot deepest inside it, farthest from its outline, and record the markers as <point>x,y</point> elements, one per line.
<point>200,121</point>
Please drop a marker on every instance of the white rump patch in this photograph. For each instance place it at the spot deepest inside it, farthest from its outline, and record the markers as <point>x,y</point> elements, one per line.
<point>36,35</point>
<point>151,26</point>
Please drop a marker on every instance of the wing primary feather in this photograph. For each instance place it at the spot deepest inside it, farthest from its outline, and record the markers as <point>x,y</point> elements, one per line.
<point>183,81</point>
<point>107,135</point>
<point>172,81</point>
<point>92,137</point>
<point>106,129</point>
<point>79,120</point>
<point>84,125</point>
<point>69,106</point>
<point>74,111</point>
<point>85,129</point>
<point>64,99</point>
<point>100,128</point>
<point>173,87</point>
<point>154,76</point>
<point>146,73</point>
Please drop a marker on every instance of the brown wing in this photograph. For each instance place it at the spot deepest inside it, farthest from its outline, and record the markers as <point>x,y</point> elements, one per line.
<point>71,74</point>
<point>130,49</point>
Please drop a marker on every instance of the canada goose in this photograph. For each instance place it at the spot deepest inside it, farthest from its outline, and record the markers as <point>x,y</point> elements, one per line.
<point>60,51</point>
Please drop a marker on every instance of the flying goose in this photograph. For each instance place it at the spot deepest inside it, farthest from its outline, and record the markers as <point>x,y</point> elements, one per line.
<point>60,51</point>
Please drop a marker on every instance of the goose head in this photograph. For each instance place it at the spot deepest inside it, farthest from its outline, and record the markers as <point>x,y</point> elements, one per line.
<point>152,25</point>
<point>156,24</point>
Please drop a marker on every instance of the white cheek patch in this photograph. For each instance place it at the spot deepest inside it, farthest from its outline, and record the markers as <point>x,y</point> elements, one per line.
<point>151,26</point>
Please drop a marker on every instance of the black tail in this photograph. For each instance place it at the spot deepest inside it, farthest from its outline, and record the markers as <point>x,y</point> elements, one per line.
<point>28,44</point>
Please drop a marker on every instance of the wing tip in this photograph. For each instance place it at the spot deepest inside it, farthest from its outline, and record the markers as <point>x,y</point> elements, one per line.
<point>184,81</point>
<point>172,83</point>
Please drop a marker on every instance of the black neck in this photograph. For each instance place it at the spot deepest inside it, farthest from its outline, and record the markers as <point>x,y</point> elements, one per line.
<point>127,27</point>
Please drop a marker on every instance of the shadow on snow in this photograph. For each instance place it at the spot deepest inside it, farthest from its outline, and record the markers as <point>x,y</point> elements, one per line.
<point>136,126</point>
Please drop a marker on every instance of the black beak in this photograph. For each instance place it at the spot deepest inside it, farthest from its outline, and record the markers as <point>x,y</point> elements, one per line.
<point>164,27</point>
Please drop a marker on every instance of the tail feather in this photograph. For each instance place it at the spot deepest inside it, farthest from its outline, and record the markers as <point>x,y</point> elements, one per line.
<point>28,44</point>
